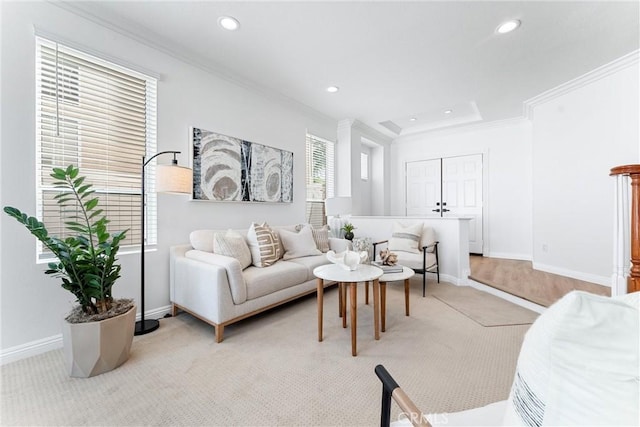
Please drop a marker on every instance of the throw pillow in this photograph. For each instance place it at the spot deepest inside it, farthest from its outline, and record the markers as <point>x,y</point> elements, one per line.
<point>298,244</point>
<point>579,365</point>
<point>233,245</point>
<point>264,245</point>
<point>405,239</point>
<point>321,237</point>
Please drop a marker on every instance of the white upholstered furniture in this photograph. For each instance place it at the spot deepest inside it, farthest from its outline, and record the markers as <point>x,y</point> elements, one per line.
<point>416,247</point>
<point>579,365</point>
<point>218,290</point>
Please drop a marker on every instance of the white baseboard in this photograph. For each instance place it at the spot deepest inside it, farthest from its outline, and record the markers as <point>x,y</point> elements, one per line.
<point>54,342</point>
<point>29,349</point>
<point>504,255</point>
<point>507,297</point>
<point>592,278</point>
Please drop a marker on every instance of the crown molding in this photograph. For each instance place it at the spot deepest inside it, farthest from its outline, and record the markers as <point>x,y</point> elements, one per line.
<point>470,127</point>
<point>218,70</point>
<point>371,133</point>
<point>601,72</point>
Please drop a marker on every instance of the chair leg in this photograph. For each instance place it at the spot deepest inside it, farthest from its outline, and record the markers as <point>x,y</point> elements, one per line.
<point>424,284</point>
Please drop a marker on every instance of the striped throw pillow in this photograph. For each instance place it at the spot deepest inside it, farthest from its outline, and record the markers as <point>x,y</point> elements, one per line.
<point>233,245</point>
<point>264,245</point>
<point>321,237</point>
<point>405,239</point>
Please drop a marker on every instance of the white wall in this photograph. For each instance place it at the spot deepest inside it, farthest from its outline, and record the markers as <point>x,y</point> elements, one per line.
<point>578,136</point>
<point>506,148</point>
<point>32,305</point>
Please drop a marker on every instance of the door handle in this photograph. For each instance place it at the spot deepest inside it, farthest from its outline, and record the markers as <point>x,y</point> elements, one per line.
<point>446,210</point>
<point>435,210</point>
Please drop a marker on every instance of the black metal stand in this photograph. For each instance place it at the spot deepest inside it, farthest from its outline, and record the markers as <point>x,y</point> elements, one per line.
<point>145,326</point>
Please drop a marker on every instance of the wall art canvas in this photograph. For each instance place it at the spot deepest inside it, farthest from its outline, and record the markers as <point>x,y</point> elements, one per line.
<point>231,169</point>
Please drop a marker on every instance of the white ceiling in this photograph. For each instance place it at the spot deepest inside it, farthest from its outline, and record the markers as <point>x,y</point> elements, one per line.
<point>392,60</point>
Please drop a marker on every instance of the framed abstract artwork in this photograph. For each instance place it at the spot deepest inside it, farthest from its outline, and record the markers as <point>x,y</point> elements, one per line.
<point>231,169</point>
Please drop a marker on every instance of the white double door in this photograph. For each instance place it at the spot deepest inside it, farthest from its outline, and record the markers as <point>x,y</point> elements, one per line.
<point>450,186</point>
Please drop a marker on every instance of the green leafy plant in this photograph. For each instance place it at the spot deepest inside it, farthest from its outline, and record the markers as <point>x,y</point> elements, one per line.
<point>87,261</point>
<point>348,227</point>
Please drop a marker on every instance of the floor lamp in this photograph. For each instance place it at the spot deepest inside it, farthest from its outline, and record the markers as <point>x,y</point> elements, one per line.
<point>169,179</point>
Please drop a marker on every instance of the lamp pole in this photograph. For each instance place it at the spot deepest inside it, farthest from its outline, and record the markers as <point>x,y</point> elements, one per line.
<point>145,326</point>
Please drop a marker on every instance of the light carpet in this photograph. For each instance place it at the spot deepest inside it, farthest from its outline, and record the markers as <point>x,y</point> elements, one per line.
<point>484,308</point>
<point>271,370</point>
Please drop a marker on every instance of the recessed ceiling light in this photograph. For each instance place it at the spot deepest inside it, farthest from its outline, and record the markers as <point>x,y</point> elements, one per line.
<point>333,89</point>
<point>229,23</point>
<point>507,27</point>
<point>412,119</point>
<point>448,111</point>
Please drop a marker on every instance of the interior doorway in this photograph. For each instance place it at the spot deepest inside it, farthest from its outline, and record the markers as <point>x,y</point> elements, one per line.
<point>448,186</point>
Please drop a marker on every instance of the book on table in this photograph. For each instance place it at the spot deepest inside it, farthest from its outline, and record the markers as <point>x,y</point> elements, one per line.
<point>388,268</point>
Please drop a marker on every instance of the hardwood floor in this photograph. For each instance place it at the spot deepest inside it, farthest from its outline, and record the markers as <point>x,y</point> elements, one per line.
<point>520,279</point>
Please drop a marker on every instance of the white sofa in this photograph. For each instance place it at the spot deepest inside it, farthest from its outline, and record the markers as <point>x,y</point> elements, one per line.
<point>217,290</point>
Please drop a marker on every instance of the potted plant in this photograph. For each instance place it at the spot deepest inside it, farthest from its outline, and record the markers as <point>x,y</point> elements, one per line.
<point>348,231</point>
<point>98,333</point>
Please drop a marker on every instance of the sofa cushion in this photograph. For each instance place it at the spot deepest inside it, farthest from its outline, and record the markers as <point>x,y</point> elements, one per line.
<point>234,245</point>
<point>405,238</point>
<point>281,275</point>
<point>202,240</point>
<point>579,364</point>
<point>298,244</point>
<point>311,262</point>
<point>414,260</point>
<point>264,245</point>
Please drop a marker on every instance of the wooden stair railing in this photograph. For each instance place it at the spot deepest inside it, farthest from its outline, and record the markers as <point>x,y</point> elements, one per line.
<point>633,174</point>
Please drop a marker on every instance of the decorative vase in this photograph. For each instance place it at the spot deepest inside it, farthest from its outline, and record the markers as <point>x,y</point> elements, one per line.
<point>348,235</point>
<point>349,260</point>
<point>93,348</point>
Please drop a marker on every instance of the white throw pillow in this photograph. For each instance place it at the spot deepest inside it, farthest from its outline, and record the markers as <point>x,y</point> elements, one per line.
<point>233,245</point>
<point>579,365</point>
<point>298,244</point>
<point>202,240</point>
<point>264,245</point>
<point>405,239</point>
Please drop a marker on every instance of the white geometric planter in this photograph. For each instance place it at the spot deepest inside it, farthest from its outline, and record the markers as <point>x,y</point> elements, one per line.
<point>94,348</point>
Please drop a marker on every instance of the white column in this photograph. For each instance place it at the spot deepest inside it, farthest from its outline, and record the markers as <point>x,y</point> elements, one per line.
<point>621,236</point>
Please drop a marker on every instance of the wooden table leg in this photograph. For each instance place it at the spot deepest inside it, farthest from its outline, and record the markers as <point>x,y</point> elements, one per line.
<point>383,305</point>
<point>366,293</point>
<point>406,297</point>
<point>354,316</point>
<point>340,301</point>
<point>320,305</point>
<point>376,309</point>
<point>343,292</point>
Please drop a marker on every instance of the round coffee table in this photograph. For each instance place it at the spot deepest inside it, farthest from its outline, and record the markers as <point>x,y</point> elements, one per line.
<point>405,275</point>
<point>363,273</point>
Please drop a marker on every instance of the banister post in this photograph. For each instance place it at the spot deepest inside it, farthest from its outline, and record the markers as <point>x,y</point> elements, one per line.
<point>633,172</point>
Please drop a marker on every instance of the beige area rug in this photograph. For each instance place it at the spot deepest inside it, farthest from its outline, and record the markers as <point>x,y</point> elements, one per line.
<point>271,370</point>
<point>484,308</point>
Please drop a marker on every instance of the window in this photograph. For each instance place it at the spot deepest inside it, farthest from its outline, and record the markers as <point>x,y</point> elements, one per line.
<point>364,166</point>
<point>102,118</point>
<point>320,162</point>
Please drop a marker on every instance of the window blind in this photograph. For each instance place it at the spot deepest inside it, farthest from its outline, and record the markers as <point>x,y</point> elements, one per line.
<point>102,118</point>
<point>320,176</point>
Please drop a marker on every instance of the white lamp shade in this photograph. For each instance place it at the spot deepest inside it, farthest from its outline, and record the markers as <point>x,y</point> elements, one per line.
<point>336,206</point>
<point>174,179</point>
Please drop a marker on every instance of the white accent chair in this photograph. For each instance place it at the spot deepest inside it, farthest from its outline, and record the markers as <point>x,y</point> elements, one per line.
<point>579,365</point>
